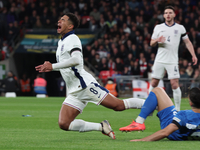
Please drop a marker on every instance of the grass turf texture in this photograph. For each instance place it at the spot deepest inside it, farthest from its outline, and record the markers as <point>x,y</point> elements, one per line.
<point>41,131</point>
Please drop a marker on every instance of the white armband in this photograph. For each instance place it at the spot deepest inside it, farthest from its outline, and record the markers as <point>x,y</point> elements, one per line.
<point>72,61</point>
<point>185,37</point>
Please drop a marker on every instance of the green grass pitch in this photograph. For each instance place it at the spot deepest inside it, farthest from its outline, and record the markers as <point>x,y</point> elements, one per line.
<point>41,131</point>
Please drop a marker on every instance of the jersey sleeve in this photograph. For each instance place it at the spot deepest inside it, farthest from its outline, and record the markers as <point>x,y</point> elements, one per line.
<point>183,33</point>
<point>155,33</point>
<point>74,45</point>
<point>178,119</point>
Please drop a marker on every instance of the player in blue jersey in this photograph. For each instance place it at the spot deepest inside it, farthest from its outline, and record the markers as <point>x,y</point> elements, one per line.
<point>182,125</point>
<point>82,87</point>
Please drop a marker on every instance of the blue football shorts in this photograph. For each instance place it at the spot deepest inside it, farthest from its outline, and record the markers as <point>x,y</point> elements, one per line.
<point>166,115</point>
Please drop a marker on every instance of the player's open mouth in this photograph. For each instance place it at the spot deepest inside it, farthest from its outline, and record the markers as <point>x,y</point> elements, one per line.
<point>59,28</point>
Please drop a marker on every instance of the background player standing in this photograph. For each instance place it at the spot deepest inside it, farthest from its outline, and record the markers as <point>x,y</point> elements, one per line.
<point>82,87</point>
<point>167,35</point>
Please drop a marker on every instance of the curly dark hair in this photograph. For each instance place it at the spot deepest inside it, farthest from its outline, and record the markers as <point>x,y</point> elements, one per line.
<point>74,19</point>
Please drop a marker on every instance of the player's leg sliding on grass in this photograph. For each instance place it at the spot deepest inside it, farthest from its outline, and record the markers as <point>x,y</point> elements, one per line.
<point>175,125</point>
<point>69,111</point>
<point>149,106</point>
<point>151,103</point>
<point>157,98</point>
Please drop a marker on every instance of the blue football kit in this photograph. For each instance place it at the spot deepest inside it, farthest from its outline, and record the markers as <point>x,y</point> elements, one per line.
<point>187,121</point>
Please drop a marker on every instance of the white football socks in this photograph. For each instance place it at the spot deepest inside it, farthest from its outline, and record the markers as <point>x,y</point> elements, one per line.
<point>151,88</point>
<point>84,126</point>
<point>135,103</point>
<point>139,120</point>
<point>177,98</point>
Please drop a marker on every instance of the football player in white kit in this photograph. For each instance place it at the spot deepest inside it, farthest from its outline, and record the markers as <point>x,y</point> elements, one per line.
<point>167,35</point>
<point>82,87</point>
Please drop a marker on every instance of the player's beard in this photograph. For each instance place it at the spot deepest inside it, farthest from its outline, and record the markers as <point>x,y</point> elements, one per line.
<point>170,21</point>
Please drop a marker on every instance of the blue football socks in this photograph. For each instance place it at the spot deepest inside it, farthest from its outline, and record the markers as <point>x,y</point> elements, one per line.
<point>149,106</point>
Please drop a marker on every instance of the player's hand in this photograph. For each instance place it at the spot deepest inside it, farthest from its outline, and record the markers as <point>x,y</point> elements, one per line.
<point>161,39</point>
<point>194,60</point>
<point>46,67</point>
<point>38,68</point>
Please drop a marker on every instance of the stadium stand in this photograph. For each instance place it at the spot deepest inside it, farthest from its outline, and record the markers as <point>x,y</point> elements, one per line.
<point>126,27</point>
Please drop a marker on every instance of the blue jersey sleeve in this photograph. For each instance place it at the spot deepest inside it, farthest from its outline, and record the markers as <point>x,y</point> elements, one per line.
<point>179,119</point>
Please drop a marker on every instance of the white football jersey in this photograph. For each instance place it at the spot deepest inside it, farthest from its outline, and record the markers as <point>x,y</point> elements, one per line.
<point>76,77</point>
<point>168,51</point>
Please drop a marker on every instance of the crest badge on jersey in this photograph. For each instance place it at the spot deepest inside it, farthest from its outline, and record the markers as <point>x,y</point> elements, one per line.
<point>62,48</point>
<point>175,31</point>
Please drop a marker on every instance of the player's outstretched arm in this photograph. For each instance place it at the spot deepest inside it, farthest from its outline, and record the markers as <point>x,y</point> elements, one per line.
<point>191,50</point>
<point>74,60</point>
<point>159,134</point>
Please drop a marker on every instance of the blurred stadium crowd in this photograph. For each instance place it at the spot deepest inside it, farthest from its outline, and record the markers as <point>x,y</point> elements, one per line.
<point>124,48</point>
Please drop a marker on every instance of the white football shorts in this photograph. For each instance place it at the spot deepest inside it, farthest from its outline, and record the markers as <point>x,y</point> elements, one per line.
<point>158,70</point>
<point>92,93</point>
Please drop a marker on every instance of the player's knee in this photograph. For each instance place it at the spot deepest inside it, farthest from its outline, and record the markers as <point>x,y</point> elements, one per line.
<point>158,89</point>
<point>174,85</point>
<point>154,84</point>
<point>63,125</point>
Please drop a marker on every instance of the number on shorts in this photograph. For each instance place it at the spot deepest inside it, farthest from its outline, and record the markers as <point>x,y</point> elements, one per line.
<point>93,91</point>
<point>175,112</point>
<point>175,69</point>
